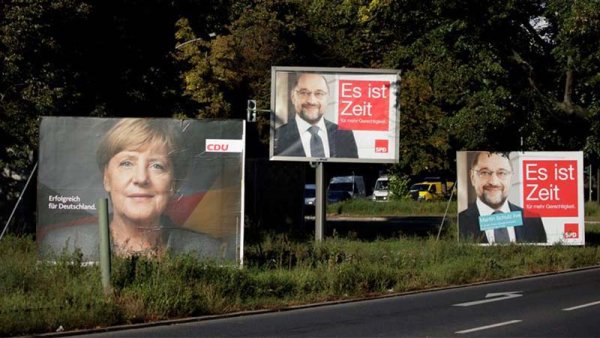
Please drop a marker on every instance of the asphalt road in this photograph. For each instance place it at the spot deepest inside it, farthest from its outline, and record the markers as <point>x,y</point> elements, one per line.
<point>561,305</point>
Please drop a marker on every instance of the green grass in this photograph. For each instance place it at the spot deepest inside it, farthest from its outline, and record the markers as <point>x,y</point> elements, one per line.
<point>406,207</point>
<point>403,207</point>
<point>592,211</point>
<point>38,297</point>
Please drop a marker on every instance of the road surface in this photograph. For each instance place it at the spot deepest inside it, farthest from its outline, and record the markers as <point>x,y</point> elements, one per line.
<point>561,305</point>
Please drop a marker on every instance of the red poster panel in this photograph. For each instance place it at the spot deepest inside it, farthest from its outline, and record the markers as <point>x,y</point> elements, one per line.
<point>364,105</point>
<point>550,188</point>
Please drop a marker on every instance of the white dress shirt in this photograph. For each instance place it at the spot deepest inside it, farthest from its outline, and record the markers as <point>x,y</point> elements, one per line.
<point>305,135</point>
<point>485,210</point>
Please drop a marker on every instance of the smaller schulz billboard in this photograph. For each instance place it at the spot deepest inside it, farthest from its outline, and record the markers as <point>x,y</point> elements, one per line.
<point>521,197</point>
<point>334,114</point>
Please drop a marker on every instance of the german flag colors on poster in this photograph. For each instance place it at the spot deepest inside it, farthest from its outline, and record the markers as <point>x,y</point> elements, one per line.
<point>172,186</point>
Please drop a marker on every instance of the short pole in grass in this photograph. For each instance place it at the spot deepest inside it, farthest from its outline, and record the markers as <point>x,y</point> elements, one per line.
<point>104,244</point>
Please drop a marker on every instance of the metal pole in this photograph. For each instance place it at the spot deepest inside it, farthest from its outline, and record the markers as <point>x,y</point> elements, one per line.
<point>104,244</point>
<point>320,206</point>
<point>445,213</point>
<point>590,184</point>
<point>18,201</point>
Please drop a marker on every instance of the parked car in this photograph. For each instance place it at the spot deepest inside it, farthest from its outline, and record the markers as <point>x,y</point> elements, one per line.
<point>431,190</point>
<point>381,190</point>
<point>342,188</point>
<point>309,195</point>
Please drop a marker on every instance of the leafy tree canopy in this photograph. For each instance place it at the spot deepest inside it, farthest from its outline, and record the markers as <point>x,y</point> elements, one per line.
<point>501,75</point>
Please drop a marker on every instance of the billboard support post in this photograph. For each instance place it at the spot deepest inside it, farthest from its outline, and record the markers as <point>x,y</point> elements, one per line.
<point>104,244</point>
<point>445,213</point>
<point>319,202</point>
<point>590,184</point>
<point>358,120</point>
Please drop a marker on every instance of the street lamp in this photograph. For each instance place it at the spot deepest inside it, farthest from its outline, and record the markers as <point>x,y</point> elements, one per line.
<point>210,35</point>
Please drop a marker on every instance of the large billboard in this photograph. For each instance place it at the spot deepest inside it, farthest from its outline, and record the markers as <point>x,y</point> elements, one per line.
<point>334,114</point>
<point>173,186</point>
<point>521,197</point>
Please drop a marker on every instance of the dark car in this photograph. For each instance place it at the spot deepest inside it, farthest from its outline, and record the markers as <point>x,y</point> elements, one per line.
<point>334,196</point>
<point>342,188</point>
<point>309,198</point>
<point>309,194</point>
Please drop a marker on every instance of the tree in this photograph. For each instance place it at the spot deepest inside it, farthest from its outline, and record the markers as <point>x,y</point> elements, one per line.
<point>490,90</point>
<point>74,58</point>
<point>492,75</point>
<point>574,32</point>
<point>223,71</point>
<point>36,79</point>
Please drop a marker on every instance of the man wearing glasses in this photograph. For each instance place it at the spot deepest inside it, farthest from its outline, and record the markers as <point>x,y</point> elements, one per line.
<point>308,134</point>
<point>490,175</point>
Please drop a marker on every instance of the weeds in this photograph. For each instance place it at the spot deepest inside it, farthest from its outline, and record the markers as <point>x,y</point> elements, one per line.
<point>396,207</point>
<point>39,297</point>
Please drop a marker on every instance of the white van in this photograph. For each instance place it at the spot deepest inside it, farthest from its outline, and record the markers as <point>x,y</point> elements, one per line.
<point>342,188</point>
<point>381,191</point>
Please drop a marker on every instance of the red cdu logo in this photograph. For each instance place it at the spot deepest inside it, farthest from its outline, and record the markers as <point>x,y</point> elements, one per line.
<point>217,147</point>
<point>224,146</point>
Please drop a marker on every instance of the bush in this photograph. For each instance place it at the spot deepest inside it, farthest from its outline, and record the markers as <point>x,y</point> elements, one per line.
<point>399,186</point>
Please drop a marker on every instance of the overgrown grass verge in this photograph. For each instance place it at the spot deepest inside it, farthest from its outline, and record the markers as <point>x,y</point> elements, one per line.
<point>39,297</point>
<point>407,207</point>
<point>400,207</point>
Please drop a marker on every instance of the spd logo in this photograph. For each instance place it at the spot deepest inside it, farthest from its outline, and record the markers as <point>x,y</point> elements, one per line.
<point>381,146</point>
<point>571,231</point>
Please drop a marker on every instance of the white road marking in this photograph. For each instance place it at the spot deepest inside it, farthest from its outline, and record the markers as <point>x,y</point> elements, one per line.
<point>498,297</point>
<point>581,306</point>
<point>481,328</point>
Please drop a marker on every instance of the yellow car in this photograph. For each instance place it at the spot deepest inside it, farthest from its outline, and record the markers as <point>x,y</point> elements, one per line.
<point>430,191</point>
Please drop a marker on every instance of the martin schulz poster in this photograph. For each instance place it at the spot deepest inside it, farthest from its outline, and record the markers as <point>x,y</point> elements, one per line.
<point>521,197</point>
<point>334,114</point>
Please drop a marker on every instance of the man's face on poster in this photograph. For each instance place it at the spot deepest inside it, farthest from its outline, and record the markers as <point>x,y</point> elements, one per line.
<point>310,97</point>
<point>490,177</point>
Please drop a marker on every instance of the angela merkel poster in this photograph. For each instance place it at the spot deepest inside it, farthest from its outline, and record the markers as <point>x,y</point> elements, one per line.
<point>173,186</point>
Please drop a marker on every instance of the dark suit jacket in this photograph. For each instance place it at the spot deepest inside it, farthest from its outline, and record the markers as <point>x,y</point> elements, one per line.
<point>287,141</point>
<point>176,240</point>
<point>532,230</point>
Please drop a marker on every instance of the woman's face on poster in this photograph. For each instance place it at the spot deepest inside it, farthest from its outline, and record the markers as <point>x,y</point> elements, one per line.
<point>140,183</point>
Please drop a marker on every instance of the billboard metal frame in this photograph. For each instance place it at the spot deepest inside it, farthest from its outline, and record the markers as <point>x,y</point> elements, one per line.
<point>394,115</point>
